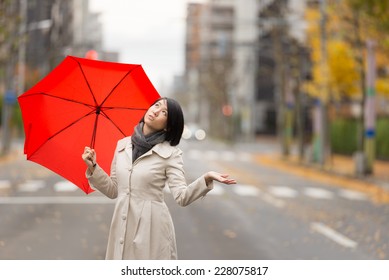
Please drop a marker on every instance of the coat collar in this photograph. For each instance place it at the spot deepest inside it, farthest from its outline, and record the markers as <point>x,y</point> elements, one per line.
<point>164,149</point>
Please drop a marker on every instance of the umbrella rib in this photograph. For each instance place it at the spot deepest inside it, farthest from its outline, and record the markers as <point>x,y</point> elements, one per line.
<point>113,89</point>
<point>58,132</point>
<point>86,80</point>
<point>124,108</point>
<point>108,118</point>
<point>69,125</point>
<point>59,97</point>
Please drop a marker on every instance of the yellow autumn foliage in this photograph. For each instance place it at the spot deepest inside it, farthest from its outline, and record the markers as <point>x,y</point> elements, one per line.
<point>339,73</point>
<point>343,75</point>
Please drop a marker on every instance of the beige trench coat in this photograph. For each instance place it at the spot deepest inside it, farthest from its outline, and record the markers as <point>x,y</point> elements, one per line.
<point>142,226</point>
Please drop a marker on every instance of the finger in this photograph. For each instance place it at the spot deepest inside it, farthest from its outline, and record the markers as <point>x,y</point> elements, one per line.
<point>229,181</point>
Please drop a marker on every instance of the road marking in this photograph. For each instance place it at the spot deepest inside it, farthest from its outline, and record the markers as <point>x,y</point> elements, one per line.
<point>318,193</point>
<point>246,190</point>
<point>5,184</point>
<point>333,235</point>
<point>228,156</point>
<point>218,155</point>
<point>272,200</point>
<point>31,186</point>
<point>55,200</point>
<point>212,155</point>
<point>65,186</point>
<point>282,191</point>
<point>195,154</point>
<point>352,195</point>
<point>245,157</point>
<point>217,190</point>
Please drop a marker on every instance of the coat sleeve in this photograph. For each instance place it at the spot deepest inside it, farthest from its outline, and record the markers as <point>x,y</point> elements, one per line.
<point>182,193</point>
<point>101,181</point>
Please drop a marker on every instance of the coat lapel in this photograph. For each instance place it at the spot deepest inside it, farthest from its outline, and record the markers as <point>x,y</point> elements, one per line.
<point>125,146</point>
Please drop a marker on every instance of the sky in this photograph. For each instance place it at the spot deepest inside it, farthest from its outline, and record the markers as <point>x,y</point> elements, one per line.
<point>147,32</point>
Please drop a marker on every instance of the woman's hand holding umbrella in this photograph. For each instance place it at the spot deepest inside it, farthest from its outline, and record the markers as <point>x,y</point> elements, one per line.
<point>89,156</point>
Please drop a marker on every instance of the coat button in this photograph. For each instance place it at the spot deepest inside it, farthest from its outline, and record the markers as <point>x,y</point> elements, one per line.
<point>124,217</point>
<point>121,240</point>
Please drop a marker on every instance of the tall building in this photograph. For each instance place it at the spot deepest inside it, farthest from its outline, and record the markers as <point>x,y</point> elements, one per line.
<point>208,62</point>
<point>46,34</point>
<point>231,73</point>
<point>220,65</point>
<point>280,44</point>
<point>87,30</point>
<point>55,29</point>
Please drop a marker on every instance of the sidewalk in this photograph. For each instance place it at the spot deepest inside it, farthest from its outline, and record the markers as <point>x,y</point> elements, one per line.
<point>340,171</point>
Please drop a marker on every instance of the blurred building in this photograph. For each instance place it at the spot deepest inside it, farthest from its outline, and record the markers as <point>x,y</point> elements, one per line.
<point>230,69</point>
<point>87,30</point>
<point>55,29</point>
<point>281,58</point>
<point>36,35</point>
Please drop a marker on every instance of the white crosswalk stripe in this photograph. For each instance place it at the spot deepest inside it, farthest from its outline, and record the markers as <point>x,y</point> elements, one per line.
<point>318,193</point>
<point>31,186</point>
<point>352,195</point>
<point>56,200</point>
<point>5,184</point>
<point>65,186</point>
<point>283,191</point>
<point>210,155</point>
<point>246,190</point>
<point>241,190</point>
<point>217,190</point>
<point>273,194</point>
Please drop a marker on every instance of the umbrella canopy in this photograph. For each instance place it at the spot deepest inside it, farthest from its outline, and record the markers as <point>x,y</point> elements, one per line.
<point>80,103</point>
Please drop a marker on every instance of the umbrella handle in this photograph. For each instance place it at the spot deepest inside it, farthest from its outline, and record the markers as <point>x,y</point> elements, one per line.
<point>93,140</point>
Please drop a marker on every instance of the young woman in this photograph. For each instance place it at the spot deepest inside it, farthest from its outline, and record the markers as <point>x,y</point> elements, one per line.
<point>142,166</point>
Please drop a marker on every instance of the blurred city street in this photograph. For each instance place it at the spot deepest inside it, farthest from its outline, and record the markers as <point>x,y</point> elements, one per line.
<point>278,210</point>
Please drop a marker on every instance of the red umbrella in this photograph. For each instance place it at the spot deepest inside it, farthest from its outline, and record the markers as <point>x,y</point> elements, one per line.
<point>83,102</point>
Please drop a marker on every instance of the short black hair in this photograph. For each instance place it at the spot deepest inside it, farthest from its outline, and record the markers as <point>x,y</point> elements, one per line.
<point>175,121</point>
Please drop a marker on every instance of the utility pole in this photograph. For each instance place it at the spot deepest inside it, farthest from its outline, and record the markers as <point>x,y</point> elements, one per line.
<point>369,110</point>
<point>10,82</point>
<point>22,46</point>
<point>321,143</point>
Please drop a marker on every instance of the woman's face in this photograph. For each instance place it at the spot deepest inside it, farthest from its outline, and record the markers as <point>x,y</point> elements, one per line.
<point>156,116</point>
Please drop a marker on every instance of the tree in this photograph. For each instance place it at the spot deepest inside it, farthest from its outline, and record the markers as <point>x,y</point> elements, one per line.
<point>351,24</point>
<point>9,44</point>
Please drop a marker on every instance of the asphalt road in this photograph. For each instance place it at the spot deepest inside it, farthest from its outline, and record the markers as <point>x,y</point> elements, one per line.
<point>270,214</point>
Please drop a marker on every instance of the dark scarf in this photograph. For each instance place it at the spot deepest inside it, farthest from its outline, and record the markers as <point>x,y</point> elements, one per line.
<point>142,144</point>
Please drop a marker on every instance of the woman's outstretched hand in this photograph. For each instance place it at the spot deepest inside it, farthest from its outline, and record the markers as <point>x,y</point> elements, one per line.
<point>215,176</point>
